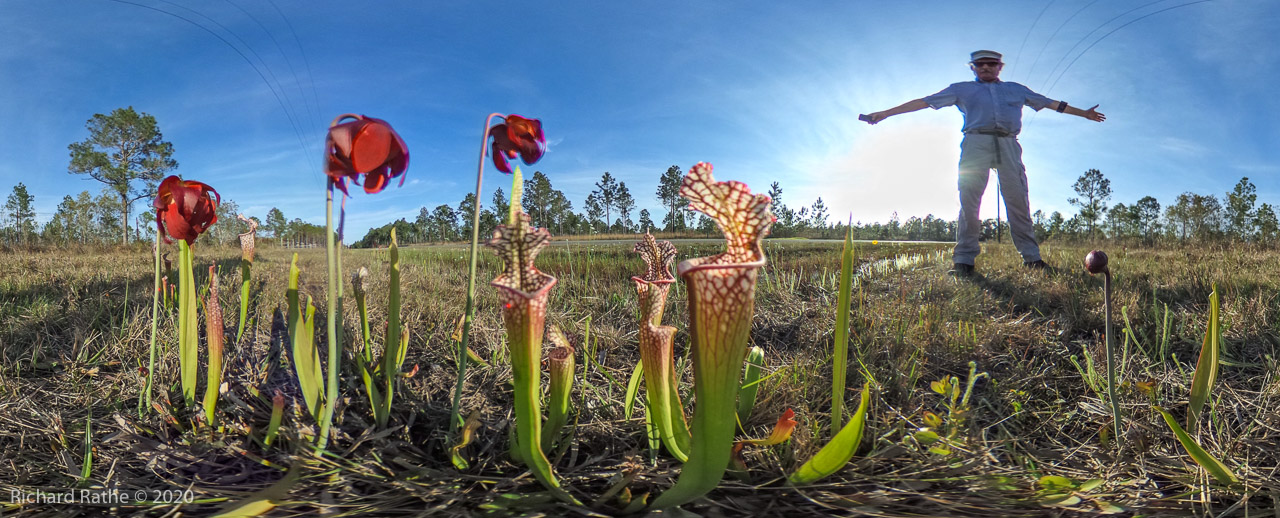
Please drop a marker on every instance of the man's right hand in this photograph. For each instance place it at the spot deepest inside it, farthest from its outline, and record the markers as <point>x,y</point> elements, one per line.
<point>873,118</point>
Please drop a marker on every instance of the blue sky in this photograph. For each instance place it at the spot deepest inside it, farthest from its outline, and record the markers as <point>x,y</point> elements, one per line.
<point>765,91</point>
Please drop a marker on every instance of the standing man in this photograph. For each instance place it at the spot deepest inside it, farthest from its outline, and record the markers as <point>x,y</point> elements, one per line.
<point>992,119</point>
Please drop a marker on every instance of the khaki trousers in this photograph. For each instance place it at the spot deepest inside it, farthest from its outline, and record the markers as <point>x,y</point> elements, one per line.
<point>979,154</point>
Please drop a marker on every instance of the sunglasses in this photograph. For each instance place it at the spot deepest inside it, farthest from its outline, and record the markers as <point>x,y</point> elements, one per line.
<point>992,64</point>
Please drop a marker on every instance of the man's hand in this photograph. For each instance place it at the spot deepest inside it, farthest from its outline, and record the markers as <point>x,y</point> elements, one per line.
<point>1093,115</point>
<point>873,118</point>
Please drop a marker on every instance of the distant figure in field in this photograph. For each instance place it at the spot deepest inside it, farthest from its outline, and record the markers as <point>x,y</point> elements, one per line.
<point>992,119</point>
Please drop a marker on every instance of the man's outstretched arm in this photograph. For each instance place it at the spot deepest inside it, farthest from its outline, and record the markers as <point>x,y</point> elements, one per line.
<point>1091,114</point>
<point>907,107</point>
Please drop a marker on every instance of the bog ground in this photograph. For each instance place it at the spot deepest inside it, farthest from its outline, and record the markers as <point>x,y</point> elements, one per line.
<point>1030,439</point>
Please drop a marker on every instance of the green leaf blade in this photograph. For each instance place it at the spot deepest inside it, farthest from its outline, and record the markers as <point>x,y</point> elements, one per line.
<point>836,453</point>
<point>1210,463</point>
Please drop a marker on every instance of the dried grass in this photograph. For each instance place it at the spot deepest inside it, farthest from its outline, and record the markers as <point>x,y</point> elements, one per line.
<point>64,353</point>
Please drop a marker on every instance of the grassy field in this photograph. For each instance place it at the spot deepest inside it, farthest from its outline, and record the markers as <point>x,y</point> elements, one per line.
<point>74,330</point>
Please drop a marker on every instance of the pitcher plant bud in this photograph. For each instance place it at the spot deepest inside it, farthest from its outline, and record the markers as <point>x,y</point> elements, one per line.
<point>1096,262</point>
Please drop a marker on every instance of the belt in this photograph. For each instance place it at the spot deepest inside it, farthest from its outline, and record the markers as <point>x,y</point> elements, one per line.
<point>998,133</point>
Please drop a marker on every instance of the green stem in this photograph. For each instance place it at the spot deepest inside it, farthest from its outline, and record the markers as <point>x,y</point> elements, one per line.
<point>155,312</point>
<point>188,335</point>
<point>455,419</point>
<point>1111,357</point>
<point>393,355</point>
<point>331,389</point>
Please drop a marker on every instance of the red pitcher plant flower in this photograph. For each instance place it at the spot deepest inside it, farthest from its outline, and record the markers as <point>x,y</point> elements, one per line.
<point>523,292</point>
<point>721,303</point>
<point>184,210</point>
<point>514,136</point>
<point>517,136</point>
<point>364,146</point>
<point>355,145</point>
<point>666,412</point>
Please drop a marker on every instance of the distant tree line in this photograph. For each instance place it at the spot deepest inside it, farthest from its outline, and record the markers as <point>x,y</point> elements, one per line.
<point>88,219</point>
<point>608,210</point>
<point>126,152</point>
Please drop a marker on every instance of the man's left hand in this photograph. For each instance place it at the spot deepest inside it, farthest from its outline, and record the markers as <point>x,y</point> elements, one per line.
<point>1093,115</point>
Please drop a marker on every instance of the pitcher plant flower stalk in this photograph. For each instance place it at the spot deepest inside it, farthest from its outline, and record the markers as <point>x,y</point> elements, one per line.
<point>213,331</point>
<point>386,370</point>
<point>665,410</point>
<point>156,295</point>
<point>514,136</point>
<point>523,292</point>
<point>365,365</point>
<point>721,304</point>
<point>362,146</point>
<point>184,210</point>
<point>246,264</point>
<point>1095,263</point>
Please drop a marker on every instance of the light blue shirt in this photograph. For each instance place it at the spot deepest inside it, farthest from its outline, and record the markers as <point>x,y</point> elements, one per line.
<point>994,106</point>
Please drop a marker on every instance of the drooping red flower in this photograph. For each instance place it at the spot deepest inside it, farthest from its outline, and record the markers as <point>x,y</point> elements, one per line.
<point>364,146</point>
<point>184,209</point>
<point>517,136</point>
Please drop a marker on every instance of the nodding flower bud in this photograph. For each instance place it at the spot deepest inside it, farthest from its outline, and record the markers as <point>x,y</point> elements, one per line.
<point>1096,262</point>
<point>357,281</point>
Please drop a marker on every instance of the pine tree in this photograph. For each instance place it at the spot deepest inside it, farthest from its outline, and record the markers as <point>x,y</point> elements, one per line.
<point>20,212</point>
<point>669,194</point>
<point>606,193</point>
<point>123,148</point>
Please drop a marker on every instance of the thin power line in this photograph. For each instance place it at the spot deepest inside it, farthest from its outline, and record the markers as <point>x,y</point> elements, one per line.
<point>1018,56</point>
<point>1086,36</point>
<point>312,110</point>
<point>238,52</point>
<point>315,98</point>
<point>1104,36</point>
<point>278,86</point>
<point>1054,35</point>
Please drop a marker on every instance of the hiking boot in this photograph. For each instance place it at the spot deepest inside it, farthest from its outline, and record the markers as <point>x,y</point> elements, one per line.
<point>1036,265</point>
<point>961,270</point>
